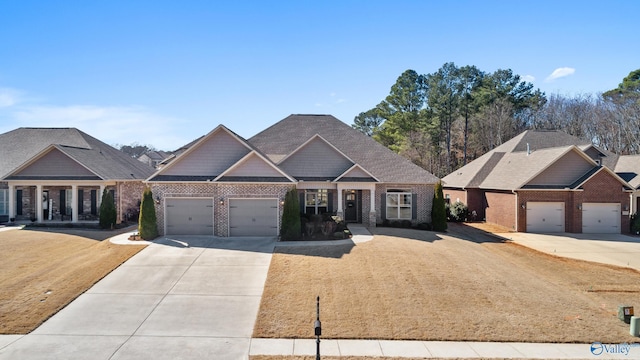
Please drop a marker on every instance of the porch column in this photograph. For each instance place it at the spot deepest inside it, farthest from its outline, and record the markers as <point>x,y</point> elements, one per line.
<point>74,203</point>
<point>39,203</point>
<point>372,209</point>
<point>99,198</point>
<point>12,202</point>
<point>340,210</point>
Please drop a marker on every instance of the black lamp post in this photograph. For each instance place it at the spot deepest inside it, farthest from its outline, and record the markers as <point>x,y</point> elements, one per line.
<point>318,328</point>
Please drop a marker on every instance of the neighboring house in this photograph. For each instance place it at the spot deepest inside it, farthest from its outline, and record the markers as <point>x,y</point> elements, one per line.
<point>59,174</point>
<point>154,158</point>
<point>224,185</point>
<point>628,167</point>
<point>547,181</point>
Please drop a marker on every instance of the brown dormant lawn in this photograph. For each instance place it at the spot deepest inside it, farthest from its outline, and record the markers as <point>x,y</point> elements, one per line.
<point>42,271</point>
<point>460,286</point>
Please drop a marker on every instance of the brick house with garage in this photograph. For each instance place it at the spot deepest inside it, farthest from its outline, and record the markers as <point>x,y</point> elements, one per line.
<point>224,185</point>
<point>548,181</point>
<point>58,175</point>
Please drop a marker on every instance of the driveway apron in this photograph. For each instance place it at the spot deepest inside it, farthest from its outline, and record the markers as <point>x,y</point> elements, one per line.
<point>188,297</point>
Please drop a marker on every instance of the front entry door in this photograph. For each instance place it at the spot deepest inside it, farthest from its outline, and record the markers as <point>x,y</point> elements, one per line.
<point>351,207</point>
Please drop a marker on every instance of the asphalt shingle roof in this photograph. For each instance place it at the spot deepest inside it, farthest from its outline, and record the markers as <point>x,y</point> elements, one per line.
<point>288,134</point>
<point>21,145</point>
<point>511,164</point>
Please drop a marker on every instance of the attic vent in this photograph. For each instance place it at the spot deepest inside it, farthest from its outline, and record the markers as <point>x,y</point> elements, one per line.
<point>598,161</point>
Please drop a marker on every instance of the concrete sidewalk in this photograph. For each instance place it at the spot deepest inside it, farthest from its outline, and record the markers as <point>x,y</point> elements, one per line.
<point>442,349</point>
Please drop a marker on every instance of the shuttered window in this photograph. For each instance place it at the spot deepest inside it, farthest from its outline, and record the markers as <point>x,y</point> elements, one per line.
<point>399,205</point>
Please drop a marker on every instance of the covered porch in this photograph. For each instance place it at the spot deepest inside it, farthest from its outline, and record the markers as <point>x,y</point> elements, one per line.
<point>55,201</point>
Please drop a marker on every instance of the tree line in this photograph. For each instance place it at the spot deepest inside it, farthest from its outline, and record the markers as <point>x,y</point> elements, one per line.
<point>445,119</point>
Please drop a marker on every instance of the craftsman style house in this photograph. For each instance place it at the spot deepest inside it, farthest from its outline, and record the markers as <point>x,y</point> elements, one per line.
<point>59,174</point>
<point>225,185</point>
<point>548,181</point>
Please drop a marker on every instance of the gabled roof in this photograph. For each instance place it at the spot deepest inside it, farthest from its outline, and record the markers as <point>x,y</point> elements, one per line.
<point>254,167</point>
<point>22,145</point>
<point>356,173</point>
<point>516,163</point>
<point>172,170</point>
<point>287,135</point>
<point>628,168</point>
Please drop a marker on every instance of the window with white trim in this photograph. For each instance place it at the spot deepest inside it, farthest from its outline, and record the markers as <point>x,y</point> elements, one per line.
<point>4,202</point>
<point>316,201</point>
<point>399,205</point>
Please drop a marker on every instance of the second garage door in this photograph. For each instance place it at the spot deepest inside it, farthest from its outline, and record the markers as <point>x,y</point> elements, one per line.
<point>545,217</point>
<point>600,218</point>
<point>189,216</point>
<point>253,217</point>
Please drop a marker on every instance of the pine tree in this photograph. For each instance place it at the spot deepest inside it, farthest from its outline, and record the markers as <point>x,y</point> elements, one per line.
<point>147,222</point>
<point>290,229</point>
<point>107,210</point>
<point>438,211</point>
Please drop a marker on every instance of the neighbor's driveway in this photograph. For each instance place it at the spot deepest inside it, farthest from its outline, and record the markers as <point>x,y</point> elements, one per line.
<point>614,249</point>
<point>189,298</point>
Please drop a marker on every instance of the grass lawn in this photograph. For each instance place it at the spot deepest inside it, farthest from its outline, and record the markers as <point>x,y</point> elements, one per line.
<point>42,271</point>
<point>462,286</point>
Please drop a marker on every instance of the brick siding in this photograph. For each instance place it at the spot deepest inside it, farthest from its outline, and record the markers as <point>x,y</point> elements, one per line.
<point>216,192</point>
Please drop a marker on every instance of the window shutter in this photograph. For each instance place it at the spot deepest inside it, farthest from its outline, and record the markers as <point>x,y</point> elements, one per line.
<point>301,202</point>
<point>80,201</point>
<point>19,202</point>
<point>383,206</point>
<point>63,202</point>
<point>330,202</point>
<point>414,206</point>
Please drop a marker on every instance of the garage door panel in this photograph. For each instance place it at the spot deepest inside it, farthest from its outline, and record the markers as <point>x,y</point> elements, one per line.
<point>189,216</point>
<point>545,217</point>
<point>601,218</point>
<point>253,217</point>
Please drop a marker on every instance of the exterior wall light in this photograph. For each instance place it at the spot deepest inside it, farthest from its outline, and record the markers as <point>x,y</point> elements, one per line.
<point>221,201</point>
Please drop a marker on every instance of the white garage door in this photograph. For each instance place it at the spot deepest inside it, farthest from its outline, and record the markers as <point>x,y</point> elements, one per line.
<point>189,216</point>
<point>545,217</point>
<point>599,218</point>
<point>253,217</point>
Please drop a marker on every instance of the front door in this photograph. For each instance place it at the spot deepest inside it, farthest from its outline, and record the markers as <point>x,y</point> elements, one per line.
<point>351,206</point>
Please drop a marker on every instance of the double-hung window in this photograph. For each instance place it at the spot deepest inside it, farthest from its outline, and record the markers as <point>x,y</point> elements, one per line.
<point>399,205</point>
<point>316,201</point>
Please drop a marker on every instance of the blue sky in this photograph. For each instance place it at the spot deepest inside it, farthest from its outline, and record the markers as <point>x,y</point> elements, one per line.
<point>165,72</point>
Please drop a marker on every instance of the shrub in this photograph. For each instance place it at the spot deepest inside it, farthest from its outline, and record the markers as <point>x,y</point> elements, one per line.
<point>290,229</point>
<point>635,224</point>
<point>147,222</point>
<point>108,214</point>
<point>438,212</point>
<point>459,212</point>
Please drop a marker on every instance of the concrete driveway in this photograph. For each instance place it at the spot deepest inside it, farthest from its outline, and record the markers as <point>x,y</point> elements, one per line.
<point>180,298</point>
<point>613,249</point>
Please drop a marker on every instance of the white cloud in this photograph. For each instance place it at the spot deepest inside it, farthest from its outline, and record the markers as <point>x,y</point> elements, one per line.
<point>9,97</point>
<point>560,72</point>
<point>112,125</point>
<point>528,78</point>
